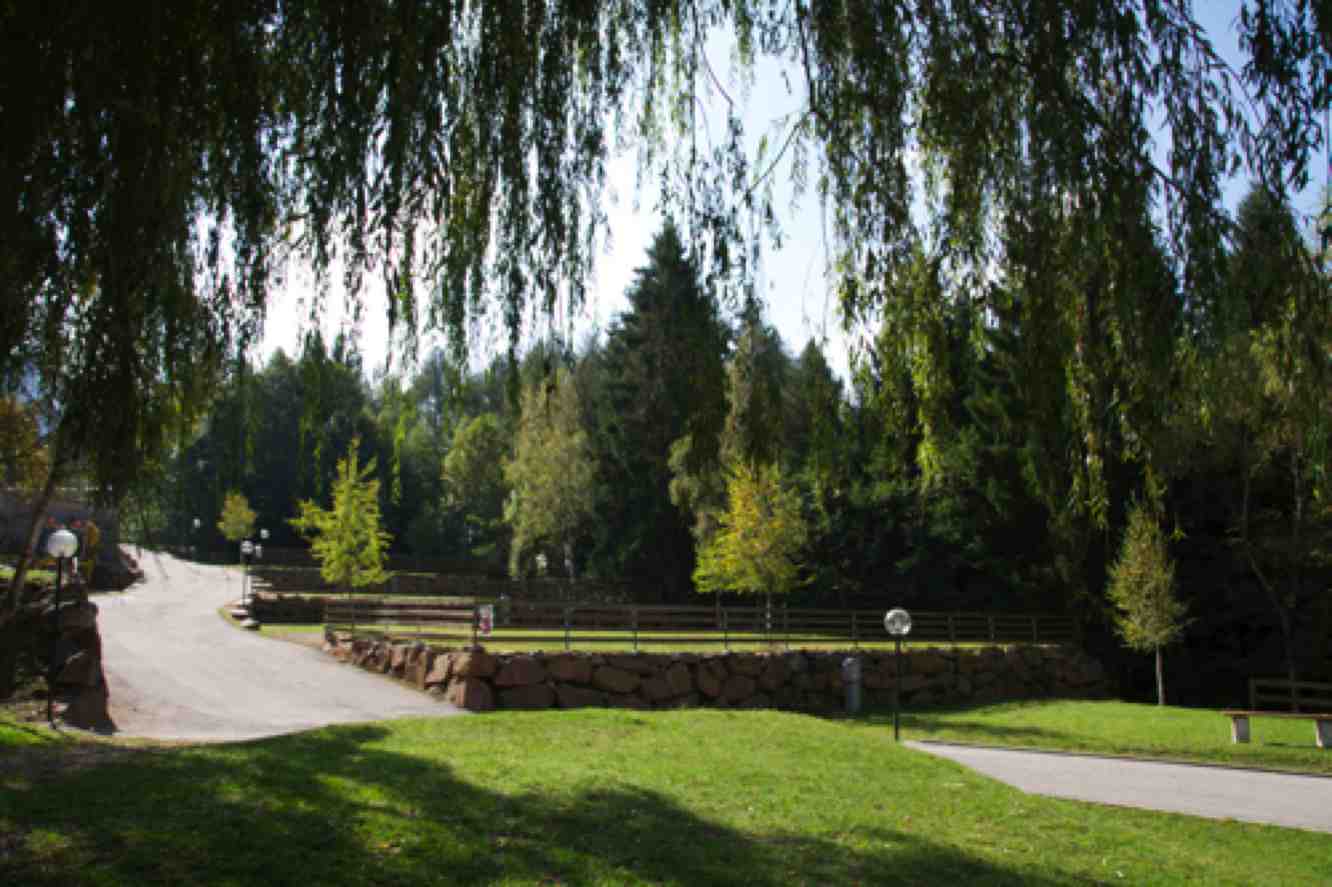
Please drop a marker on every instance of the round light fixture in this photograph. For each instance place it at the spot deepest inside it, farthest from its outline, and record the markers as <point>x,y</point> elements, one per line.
<point>897,622</point>
<point>62,543</point>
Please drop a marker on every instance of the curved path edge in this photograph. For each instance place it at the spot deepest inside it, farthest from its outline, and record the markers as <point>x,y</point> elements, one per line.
<point>1284,799</point>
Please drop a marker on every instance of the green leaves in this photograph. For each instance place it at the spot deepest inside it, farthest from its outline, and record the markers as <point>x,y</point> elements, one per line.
<point>551,474</point>
<point>756,548</point>
<point>347,540</point>
<point>1142,585</point>
<point>237,520</point>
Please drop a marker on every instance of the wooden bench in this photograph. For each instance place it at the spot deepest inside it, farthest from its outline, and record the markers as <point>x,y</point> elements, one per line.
<point>1239,723</point>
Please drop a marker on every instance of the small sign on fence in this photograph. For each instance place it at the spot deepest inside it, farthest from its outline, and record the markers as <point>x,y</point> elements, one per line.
<point>485,619</point>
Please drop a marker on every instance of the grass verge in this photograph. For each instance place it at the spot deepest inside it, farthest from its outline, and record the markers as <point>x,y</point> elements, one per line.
<point>1121,728</point>
<point>596,797</point>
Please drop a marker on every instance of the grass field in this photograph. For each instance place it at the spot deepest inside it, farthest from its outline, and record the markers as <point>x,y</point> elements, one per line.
<point>508,640</point>
<point>587,797</point>
<point>1122,728</point>
<point>37,577</point>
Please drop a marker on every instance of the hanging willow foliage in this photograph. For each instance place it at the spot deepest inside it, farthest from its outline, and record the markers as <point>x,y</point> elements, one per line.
<point>156,166</point>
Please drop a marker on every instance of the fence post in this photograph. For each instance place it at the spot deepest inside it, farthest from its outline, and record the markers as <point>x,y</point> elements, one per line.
<point>566,628</point>
<point>476,621</point>
<point>952,630</point>
<point>1035,632</point>
<point>855,631</point>
<point>633,616</point>
<point>786,624</point>
<point>990,620</point>
<point>726,632</point>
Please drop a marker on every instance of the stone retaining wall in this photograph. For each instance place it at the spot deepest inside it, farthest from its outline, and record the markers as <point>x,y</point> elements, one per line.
<point>72,637</point>
<point>798,680</point>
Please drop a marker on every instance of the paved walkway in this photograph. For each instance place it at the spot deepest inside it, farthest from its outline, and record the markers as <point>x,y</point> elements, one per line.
<point>1215,792</point>
<point>177,670</point>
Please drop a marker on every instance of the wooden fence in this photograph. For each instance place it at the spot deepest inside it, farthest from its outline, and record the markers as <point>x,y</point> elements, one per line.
<point>431,623</point>
<point>1297,696</point>
<point>552,622</point>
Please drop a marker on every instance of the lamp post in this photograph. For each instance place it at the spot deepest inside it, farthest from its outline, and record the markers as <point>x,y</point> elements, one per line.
<point>61,545</point>
<point>897,622</point>
<point>247,549</point>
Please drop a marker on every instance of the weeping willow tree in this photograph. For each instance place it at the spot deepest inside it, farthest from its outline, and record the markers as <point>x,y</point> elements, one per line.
<point>157,167</point>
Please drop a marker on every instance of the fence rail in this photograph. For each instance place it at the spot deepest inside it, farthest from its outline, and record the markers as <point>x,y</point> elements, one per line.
<point>425,622</point>
<point>1299,696</point>
<point>566,624</point>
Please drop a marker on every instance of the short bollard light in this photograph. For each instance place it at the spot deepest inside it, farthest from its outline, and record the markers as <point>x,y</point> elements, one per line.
<point>897,622</point>
<point>851,683</point>
<point>61,545</point>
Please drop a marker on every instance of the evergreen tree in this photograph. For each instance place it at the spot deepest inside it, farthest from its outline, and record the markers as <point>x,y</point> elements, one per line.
<point>664,380</point>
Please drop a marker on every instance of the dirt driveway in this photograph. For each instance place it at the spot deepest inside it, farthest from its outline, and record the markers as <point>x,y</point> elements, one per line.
<point>177,670</point>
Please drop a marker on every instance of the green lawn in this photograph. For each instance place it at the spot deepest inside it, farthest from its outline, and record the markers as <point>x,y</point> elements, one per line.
<point>509,640</point>
<point>37,577</point>
<point>591,797</point>
<point>1121,728</point>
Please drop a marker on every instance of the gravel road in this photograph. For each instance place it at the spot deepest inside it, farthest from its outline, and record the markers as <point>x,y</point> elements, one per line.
<point>177,670</point>
<point>1216,792</point>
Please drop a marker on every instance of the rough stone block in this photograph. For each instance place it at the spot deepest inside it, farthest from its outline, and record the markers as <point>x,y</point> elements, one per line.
<point>738,687</point>
<point>470,693</point>
<point>708,684</point>
<point>615,680</point>
<point>398,657</point>
<point>80,670</point>
<point>746,664</point>
<point>521,671</point>
<point>928,663</point>
<point>420,667</point>
<point>640,664</point>
<point>440,670</point>
<point>656,689</point>
<point>576,669</point>
<point>87,709</point>
<point>474,664</point>
<point>570,696</point>
<point>78,616</point>
<point>529,696</point>
<point>774,674</point>
<point>679,679</point>
<point>627,700</point>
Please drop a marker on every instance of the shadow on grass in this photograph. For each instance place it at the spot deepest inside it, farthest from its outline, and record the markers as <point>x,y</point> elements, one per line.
<point>329,807</point>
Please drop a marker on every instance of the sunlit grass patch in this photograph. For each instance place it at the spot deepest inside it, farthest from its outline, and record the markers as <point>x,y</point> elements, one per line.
<point>1121,728</point>
<point>602,797</point>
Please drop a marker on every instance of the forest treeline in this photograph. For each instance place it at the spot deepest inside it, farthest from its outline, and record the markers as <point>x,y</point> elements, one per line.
<point>951,470</point>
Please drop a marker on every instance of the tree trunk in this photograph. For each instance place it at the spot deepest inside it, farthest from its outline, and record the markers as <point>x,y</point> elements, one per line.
<point>9,613</point>
<point>1160,679</point>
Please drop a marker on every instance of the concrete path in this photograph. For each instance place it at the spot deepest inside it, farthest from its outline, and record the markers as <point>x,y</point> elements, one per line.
<point>1215,792</point>
<point>177,670</point>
